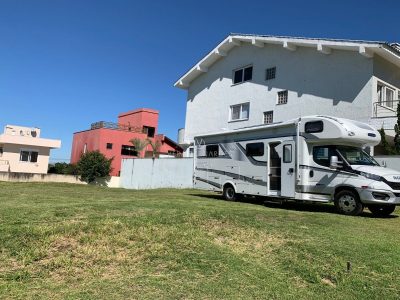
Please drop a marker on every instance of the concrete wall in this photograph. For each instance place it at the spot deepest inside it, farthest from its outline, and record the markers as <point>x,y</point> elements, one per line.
<point>338,84</point>
<point>112,182</point>
<point>392,161</point>
<point>157,173</point>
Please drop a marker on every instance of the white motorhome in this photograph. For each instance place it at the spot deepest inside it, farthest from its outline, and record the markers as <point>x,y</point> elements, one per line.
<point>316,159</point>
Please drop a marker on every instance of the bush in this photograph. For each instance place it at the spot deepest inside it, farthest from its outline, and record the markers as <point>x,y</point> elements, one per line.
<point>63,168</point>
<point>93,165</point>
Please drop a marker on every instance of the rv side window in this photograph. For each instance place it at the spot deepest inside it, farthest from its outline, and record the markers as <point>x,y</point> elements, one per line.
<point>322,155</point>
<point>255,149</point>
<point>287,153</point>
<point>212,151</point>
<point>314,127</point>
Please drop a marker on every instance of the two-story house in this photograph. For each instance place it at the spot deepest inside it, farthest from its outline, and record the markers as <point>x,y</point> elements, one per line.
<point>248,80</point>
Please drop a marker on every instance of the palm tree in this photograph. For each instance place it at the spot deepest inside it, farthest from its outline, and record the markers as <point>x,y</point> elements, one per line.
<point>139,145</point>
<point>155,146</point>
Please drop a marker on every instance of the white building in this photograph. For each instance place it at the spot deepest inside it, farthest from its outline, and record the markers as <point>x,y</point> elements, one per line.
<point>22,150</point>
<point>248,80</point>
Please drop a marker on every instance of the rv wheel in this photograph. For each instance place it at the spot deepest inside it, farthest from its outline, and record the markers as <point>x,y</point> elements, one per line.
<point>229,193</point>
<point>382,210</point>
<point>348,203</point>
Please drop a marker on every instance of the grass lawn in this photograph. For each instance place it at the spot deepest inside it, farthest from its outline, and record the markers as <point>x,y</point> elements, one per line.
<point>71,241</point>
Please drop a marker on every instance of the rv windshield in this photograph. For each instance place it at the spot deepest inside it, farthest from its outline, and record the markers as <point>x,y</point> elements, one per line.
<point>356,156</point>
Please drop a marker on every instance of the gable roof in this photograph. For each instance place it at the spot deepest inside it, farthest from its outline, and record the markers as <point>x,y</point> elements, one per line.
<point>390,52</point>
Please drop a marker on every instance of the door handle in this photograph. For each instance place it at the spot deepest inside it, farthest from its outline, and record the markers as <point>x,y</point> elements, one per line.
<point>291,170</point>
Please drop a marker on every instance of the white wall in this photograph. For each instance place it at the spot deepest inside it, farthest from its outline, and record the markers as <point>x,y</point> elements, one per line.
<point>156,173</point>
<point>339,84</point>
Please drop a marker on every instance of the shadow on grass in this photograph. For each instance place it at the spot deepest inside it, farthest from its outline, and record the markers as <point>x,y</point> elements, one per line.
<point>292,205</point>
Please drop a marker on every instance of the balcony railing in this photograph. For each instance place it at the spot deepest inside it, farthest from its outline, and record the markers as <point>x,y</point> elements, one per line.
<point>385,109</point>
<point>115,126</point>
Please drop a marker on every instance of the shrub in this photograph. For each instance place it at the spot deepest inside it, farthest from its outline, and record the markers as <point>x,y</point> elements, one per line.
<point>93,165</point>
<point>63,168</point>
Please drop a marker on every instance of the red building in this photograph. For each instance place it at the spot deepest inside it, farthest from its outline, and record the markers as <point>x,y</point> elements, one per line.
<point>113,139</point>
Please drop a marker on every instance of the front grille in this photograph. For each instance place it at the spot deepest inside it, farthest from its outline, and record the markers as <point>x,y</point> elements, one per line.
<point>393,185</point>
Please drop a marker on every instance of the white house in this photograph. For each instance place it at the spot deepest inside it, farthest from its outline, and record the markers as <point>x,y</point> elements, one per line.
<point>248,80</point>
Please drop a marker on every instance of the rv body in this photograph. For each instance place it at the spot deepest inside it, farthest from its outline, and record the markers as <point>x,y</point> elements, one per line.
<point>316,158</point>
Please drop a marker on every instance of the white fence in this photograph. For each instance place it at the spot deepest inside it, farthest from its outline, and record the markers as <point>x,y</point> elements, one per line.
<point>148,173</point>
<point>391,161</point>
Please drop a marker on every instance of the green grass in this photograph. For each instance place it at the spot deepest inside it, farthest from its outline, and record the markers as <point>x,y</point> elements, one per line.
<point>60,241</point>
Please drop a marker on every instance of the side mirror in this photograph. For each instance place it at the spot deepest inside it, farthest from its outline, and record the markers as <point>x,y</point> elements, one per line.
<point>334,162</point>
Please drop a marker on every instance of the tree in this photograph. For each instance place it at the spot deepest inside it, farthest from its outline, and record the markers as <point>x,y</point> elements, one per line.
<point>139,145</point>
<point>155,146</point>
<point>93,165</point>
<point>397,132</point>
<point>62,168</point>
<point>387,149</point>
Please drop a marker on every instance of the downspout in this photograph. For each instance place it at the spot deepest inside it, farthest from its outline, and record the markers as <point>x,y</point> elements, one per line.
<point>194,160</point>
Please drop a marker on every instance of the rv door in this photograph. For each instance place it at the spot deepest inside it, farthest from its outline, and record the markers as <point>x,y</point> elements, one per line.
<point>288,169</point>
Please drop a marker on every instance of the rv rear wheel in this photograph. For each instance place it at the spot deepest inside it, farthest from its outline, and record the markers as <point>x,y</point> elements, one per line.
<point>348,203</point>
<point>382,210</point>
<point>229,193</point>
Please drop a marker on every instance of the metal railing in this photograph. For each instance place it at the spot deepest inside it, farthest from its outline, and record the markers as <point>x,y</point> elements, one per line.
<point>115,126</point>
<point>386,108</point>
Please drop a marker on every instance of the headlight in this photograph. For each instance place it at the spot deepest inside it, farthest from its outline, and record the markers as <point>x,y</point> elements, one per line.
<point>371,176</point>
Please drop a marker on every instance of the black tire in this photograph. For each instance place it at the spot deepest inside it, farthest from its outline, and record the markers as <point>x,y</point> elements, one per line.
<point>229,193</point>
<point>348,203</point>
<point>382,210</point>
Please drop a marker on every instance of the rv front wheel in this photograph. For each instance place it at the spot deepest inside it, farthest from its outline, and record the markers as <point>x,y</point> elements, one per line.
<point>348,203</point>
<point>229,193</point>
<point>381,210</point>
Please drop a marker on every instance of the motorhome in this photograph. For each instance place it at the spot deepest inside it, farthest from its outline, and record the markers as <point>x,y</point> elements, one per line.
<point>315,158</point>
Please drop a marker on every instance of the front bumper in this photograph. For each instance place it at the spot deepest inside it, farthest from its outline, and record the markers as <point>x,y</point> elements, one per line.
<point>367,197</point>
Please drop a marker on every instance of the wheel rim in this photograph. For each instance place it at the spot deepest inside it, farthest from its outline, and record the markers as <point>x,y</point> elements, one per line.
<point>347,203</point>
<point>230,193</point>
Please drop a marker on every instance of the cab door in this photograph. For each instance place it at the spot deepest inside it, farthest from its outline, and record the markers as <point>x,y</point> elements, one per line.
<point>288,171</point>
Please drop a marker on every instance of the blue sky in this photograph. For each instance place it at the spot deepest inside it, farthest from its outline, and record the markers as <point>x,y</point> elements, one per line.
<point>65,64</point>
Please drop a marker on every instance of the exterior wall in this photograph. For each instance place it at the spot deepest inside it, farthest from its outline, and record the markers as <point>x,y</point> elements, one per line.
<point>97,140</point>
<point>140,117</point>
<point>11,155</point>
<point>112,182</point>
<point>157,173</point>
<point>338,84</point>
<point>391,162</point>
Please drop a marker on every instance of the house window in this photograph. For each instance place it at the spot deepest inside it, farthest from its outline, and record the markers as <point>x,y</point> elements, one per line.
<point>109,145</point>
<point>1,151</point>
<point>282,97</point>
<point>149,131</point>
<point>240,112</point>
<point>128,150</point>
<point>268,117</point>
<point>243,74</point>
<point>28,156</point>
<point>270,73</point>
<point>386,95</point>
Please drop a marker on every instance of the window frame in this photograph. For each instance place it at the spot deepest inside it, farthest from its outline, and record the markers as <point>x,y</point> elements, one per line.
<point>382,100</point>
<point>264,115</point>
<point>109,146</point>
<point>284,92</point>
<point>30,151</point>
<point>240,113</point>
<point>284,153</point>
<point>243,73</point>
<point>271,70</point>
<point>134,152</point>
